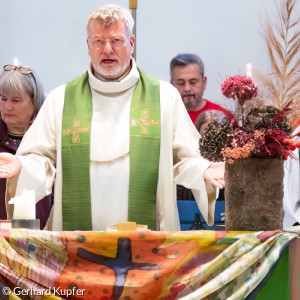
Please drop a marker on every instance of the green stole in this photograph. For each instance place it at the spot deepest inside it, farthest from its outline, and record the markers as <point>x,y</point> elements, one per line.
<point>144,153</point>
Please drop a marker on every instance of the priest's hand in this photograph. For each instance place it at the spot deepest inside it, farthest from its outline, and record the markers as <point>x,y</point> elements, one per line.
<point>215,174</point>
<point>9,165</point>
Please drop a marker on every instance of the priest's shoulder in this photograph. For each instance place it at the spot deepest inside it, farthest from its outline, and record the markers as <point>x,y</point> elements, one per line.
<point>163,84</point>
<point>169,88</point>
<point>60,90</point>
<point>57,94</point>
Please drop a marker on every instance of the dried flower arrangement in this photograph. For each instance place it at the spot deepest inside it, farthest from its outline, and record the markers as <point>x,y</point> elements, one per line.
<point>259,130</point>
<point>254,132</point>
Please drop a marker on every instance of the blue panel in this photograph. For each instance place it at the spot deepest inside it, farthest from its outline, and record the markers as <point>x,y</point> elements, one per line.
<point>191,218</point>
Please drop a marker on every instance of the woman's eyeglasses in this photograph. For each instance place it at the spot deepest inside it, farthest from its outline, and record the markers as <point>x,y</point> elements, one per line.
<point>21,69</point>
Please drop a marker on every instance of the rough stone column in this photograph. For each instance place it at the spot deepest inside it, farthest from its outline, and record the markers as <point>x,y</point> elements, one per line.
<point>254,194</point>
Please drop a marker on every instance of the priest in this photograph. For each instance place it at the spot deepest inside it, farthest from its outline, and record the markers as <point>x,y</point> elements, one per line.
<point>113,141</point>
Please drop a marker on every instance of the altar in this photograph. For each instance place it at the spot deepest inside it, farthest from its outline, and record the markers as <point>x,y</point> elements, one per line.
<point>148,264</point>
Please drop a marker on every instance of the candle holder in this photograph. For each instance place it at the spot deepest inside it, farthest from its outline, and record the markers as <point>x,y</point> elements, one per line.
<point>5,224</point>
<point>26,223</point>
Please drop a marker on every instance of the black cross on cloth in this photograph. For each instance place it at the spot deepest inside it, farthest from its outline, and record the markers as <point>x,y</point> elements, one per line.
<point>121,264</point>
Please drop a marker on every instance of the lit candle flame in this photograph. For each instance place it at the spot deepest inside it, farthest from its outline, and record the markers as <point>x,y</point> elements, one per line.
<point>16,61</point>
<point>249,69</point>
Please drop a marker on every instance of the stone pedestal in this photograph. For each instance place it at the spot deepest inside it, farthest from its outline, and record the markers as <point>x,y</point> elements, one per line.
<point>254,194</point>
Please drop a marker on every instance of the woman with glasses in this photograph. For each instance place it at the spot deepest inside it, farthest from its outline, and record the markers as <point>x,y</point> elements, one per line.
<point>21,97</point>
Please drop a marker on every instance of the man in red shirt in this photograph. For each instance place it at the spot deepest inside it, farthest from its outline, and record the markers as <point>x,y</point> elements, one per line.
<point>187,75</point>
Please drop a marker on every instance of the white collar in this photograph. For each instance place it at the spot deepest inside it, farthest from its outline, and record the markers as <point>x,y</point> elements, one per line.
<point>125,82</point>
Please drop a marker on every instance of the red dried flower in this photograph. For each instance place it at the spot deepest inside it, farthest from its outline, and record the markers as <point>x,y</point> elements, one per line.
<point>275,144</point>
<point>239,87</point>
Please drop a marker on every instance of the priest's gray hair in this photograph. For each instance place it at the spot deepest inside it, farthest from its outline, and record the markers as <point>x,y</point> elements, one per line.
<point>15,83</point>
<point>107,14</point>
<point>185,59</point>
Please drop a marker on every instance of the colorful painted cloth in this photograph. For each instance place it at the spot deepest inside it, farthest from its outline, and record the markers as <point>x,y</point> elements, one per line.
<point>137,265</point>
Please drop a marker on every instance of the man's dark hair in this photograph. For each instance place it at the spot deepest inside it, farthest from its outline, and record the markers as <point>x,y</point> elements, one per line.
<point>185,59</point>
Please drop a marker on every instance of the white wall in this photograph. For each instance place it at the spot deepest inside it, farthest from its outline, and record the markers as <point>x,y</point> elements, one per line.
<point>50,36</point>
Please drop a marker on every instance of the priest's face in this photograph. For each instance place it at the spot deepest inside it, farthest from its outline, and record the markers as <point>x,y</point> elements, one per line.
<point>110,48</point>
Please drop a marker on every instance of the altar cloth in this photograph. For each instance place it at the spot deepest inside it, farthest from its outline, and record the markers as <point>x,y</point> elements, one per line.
<point>138,264</point>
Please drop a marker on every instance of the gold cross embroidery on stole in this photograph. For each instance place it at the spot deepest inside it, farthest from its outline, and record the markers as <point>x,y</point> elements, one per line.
<point>144,122</point>
<point>75,130</point>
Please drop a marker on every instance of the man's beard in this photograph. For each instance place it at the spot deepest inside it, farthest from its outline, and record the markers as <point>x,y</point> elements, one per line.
<point>189,100</point>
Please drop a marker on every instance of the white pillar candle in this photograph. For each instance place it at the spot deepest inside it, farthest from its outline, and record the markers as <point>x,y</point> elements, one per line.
<point>24,205</point>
